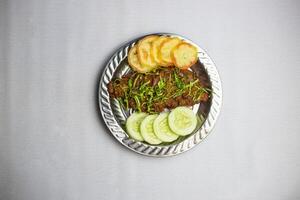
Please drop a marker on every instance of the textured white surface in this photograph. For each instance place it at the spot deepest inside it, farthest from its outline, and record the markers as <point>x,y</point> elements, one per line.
<point>54,146</point>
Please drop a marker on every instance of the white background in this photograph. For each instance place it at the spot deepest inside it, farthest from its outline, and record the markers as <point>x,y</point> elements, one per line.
<point>53,144</point>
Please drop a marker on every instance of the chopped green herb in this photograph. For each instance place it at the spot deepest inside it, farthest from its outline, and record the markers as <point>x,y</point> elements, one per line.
<point>138,103</point>
<point>149,95</point>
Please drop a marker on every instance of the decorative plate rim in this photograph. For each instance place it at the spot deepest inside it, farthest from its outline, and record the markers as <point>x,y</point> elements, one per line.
<point>155,150</point>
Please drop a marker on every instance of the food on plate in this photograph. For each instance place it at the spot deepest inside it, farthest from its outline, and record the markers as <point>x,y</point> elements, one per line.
<point>160,89</point>
<point>135,63</point>
<point>144,52</point>
<point>155,50</point>
<point>133,125</point>
<point>166,88</point>
<point>166,48</point>
<point>184,55</point>
<point>162,129</point>
<point>147,130</point>
<point>182,121</point>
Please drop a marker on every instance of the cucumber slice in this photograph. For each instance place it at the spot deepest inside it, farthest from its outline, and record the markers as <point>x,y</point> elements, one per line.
<point>147,131</point>
<point>162,129</point>
<point>133,125</point>
<point>182,121</point>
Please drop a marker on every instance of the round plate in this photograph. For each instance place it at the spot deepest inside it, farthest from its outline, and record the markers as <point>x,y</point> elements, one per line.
<point>115,116</point>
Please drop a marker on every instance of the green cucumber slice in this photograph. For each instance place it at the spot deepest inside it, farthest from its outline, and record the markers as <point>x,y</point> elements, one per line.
<point>133,125</point>
<point>162,129</point>
<point>182,121</point>
<point>147,131</point>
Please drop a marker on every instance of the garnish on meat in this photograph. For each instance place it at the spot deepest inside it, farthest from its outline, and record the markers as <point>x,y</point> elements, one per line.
<point>154,91</point>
